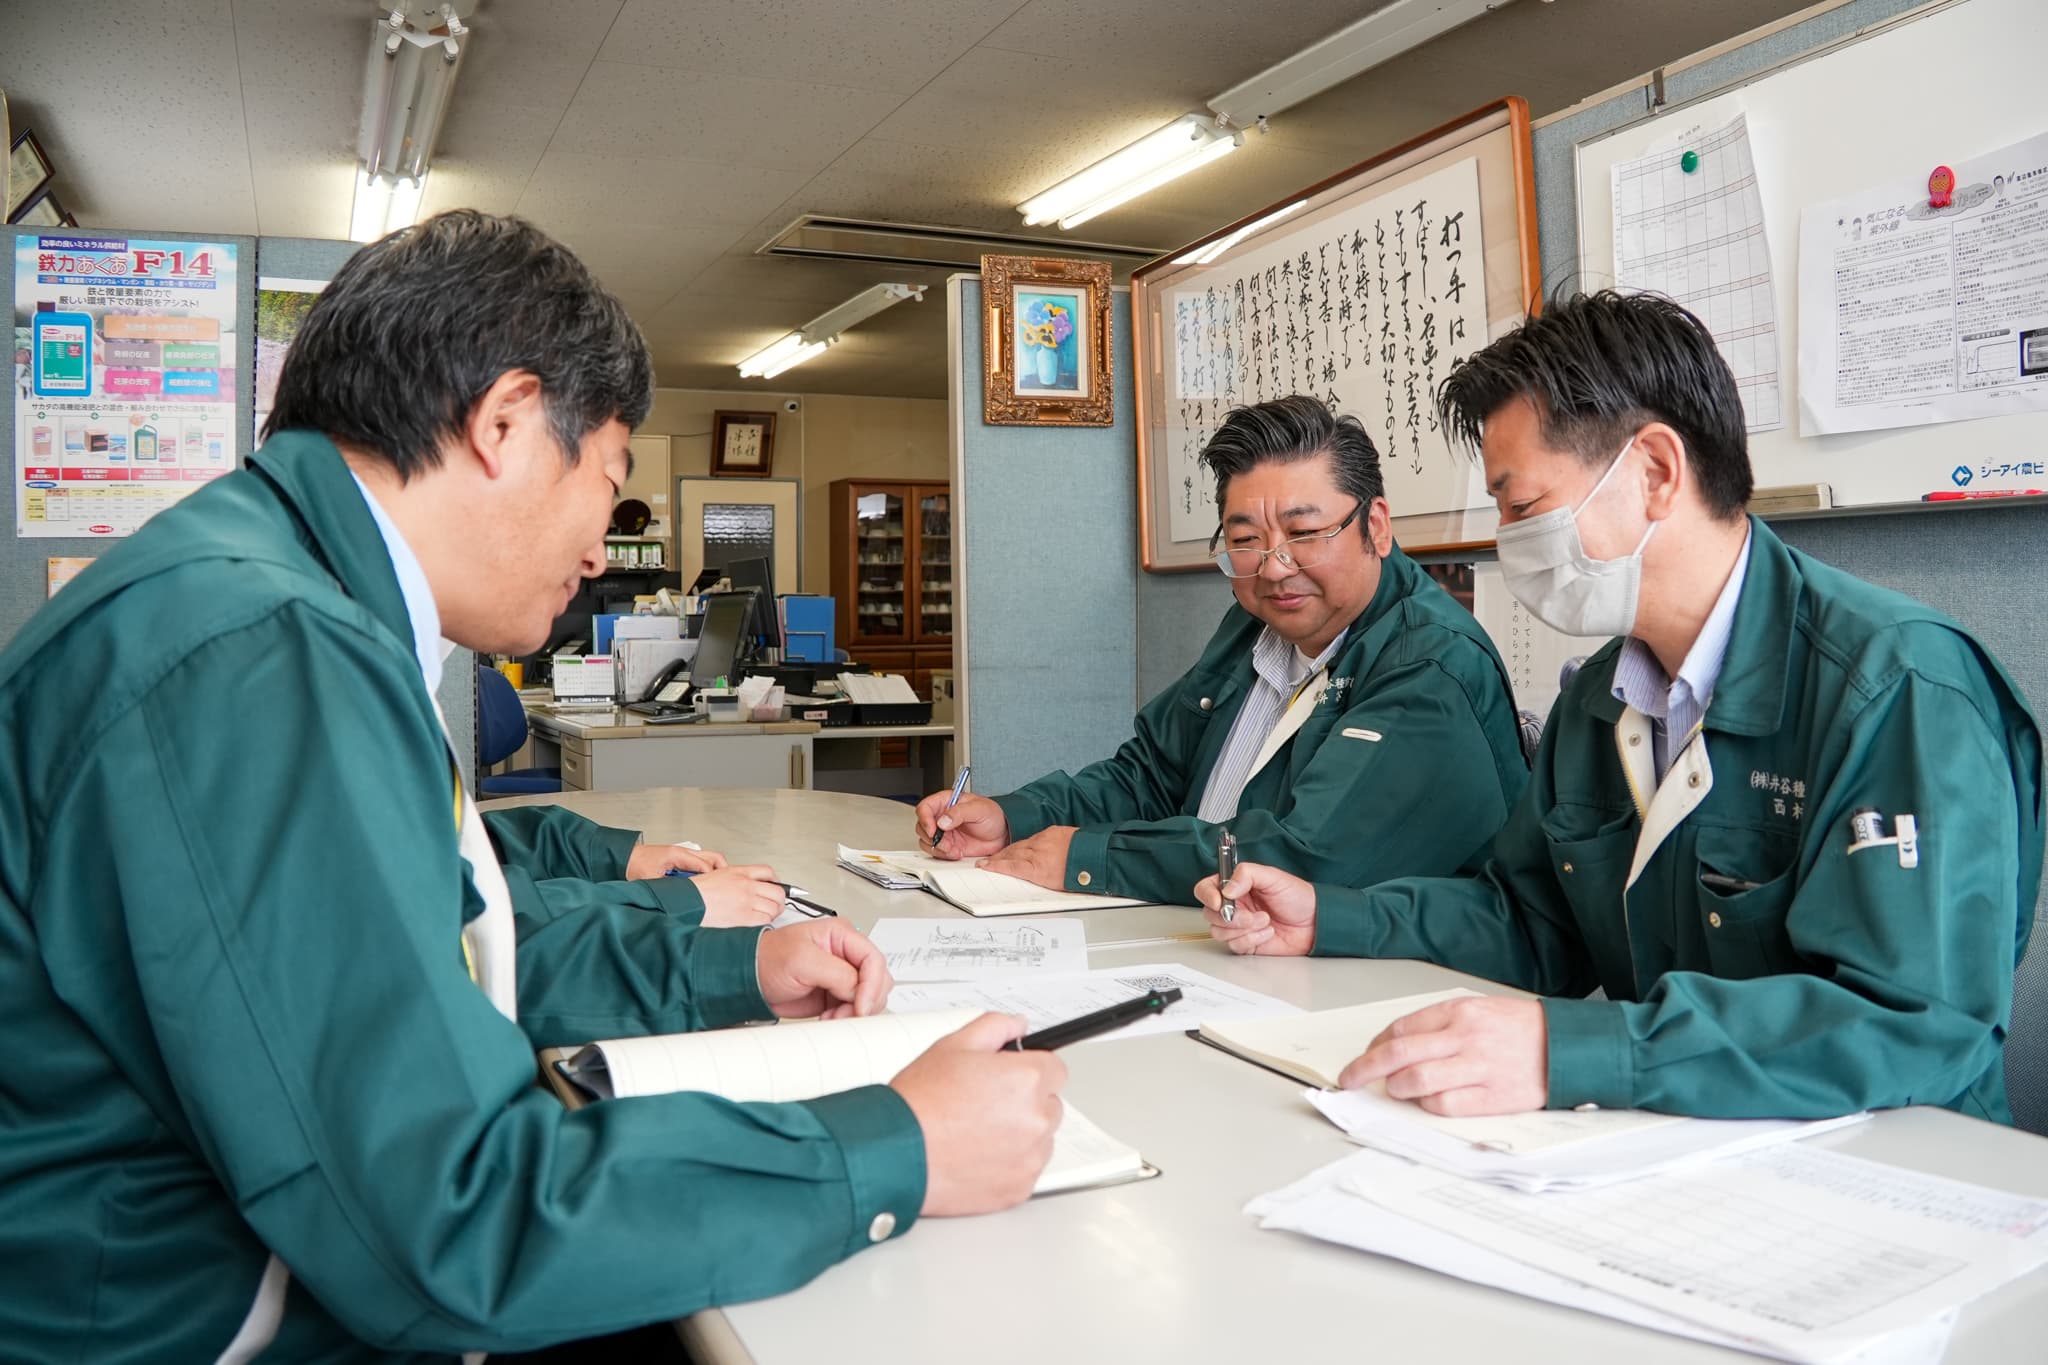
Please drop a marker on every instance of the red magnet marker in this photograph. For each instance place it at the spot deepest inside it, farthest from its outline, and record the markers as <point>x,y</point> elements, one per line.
<point>1941,187</point>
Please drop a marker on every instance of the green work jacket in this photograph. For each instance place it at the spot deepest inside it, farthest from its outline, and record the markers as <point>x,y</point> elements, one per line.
<point>1407,764</point>
<point>1756,966</point>
<point>248,1052</point>
<point>556,861</point>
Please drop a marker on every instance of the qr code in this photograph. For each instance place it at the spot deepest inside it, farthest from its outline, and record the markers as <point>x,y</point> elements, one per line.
<point>1149,983</point>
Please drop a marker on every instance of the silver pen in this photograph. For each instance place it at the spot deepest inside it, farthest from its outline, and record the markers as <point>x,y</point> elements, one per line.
<point>1226,867</point>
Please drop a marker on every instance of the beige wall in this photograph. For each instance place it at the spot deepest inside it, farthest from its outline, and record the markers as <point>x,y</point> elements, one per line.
<point>830,436</point>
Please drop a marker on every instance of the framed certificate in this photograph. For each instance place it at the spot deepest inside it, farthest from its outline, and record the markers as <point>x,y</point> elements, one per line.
<point>743,444</point>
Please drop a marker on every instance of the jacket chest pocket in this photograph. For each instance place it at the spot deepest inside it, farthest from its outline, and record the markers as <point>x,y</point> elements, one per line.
<point>1743,886</point>
<point>1590,850</point>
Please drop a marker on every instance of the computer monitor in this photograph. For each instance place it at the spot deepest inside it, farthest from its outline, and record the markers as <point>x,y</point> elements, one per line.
<point>757,573</point>
<point>718,645</point>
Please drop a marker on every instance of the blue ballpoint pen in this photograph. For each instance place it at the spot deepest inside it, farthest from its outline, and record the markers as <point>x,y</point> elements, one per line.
<point>959,786</point>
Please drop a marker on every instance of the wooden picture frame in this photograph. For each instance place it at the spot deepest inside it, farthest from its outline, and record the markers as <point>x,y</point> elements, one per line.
<point>1046,333</point>
<point>743,444</point>
<point>1176,511</point>
<point>29,173</point>
<point>44,211</point>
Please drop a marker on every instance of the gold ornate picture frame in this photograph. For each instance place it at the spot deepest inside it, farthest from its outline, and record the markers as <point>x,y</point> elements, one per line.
<point>1046,332</point>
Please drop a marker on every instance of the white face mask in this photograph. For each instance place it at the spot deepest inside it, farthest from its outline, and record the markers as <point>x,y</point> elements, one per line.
<point>1547,569</point>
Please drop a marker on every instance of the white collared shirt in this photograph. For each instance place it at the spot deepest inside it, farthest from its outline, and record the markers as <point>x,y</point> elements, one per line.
<point>1280,669</point>
<point>420,611</point>
<point>1676,706</point>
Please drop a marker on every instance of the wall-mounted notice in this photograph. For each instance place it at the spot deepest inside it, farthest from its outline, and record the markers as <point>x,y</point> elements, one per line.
<point>1911,313</point>
<point>1368,317</point>
<point>127,401</point>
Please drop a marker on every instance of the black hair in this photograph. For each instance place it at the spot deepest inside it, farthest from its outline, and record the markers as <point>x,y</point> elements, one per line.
<point>1285,430</point>
<point>1598,366</point>
<point>415,328</point>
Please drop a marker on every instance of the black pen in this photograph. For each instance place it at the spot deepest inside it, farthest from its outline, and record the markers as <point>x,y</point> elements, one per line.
<point>801,899</point>
<point>1101,1021</point>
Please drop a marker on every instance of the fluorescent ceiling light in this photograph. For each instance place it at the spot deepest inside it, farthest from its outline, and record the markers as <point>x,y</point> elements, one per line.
<point>415,53</point>
<point>790,351</point>
<point>794,348</point>
<point>1204,254</point>
<point>1383,34</point>
<point>1164,154</point>
<point>384,203</point>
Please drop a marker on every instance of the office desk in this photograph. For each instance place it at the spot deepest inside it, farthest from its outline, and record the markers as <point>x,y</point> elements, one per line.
<point>614,749</point>
<point>1170,1270</point>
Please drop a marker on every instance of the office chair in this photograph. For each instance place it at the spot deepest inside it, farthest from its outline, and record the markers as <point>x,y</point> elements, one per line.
<point>500,731</point>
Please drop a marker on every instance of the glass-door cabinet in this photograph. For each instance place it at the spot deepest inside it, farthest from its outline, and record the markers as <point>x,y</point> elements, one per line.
<point>892,575</point>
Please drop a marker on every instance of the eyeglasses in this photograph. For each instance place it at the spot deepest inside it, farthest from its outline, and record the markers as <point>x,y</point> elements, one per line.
<point>1301,552</point>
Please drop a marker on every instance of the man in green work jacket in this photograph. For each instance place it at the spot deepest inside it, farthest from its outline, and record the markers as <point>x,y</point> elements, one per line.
<point>556,860</point>
<point>1790,823</point>
<point>271,1010</point>
<point>1348,720</point>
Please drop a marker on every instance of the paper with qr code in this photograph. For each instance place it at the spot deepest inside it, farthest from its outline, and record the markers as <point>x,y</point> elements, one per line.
<point>1048,1000</point>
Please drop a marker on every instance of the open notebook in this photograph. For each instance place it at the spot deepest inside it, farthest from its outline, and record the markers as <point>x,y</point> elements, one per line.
<point>800,1061</point>
<point>968,885</point>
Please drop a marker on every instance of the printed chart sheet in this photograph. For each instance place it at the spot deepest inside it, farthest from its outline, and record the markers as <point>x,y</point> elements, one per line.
<point>1910,314</point>
<point>1697,236</point>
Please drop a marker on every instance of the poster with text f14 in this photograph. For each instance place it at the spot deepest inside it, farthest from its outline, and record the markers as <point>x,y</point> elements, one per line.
<point>1911,313</point>
<point>124,378</point>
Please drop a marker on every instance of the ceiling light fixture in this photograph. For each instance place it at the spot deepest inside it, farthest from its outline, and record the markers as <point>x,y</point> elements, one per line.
<point>1164,154</point>
<point>794,348</point>
<point>414,58</point>
<point>1382,35</point>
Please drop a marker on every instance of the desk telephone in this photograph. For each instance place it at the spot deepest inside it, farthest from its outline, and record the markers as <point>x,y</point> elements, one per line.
<point>667,699</point>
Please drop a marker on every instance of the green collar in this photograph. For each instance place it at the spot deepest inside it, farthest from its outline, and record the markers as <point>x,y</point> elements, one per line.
<point>317,487</point>
<point>1749,698</point>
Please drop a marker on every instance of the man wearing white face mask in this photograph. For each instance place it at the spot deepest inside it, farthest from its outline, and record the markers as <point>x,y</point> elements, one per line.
<point>1791,823</point>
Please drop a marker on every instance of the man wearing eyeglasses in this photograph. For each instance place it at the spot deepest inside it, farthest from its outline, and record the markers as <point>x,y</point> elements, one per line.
<point>1348,718</point>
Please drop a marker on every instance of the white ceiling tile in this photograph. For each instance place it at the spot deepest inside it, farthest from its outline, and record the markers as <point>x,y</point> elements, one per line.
<point>737,120</point>
<point>173,64</point>
<point>644,266</point>
<point>886,45</point>
<point>302,150</point>
<point>578,186</point>
<point>310,44</point>
<point>1005,102</point>
<point>534,51</point>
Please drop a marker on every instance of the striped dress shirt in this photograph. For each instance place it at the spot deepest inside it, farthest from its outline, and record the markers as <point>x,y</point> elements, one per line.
<point>1677,706</point>
<point>1279,669</point>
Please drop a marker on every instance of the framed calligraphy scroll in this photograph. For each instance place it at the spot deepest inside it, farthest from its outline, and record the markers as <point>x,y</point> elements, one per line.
<point>1363,290</point>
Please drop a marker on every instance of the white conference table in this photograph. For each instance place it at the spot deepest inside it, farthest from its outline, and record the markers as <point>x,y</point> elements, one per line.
<point>1170,1269</point>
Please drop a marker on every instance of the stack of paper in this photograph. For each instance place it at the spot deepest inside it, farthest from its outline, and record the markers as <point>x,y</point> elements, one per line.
<point>1788,1251</point>
<point>1545,1149</point>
